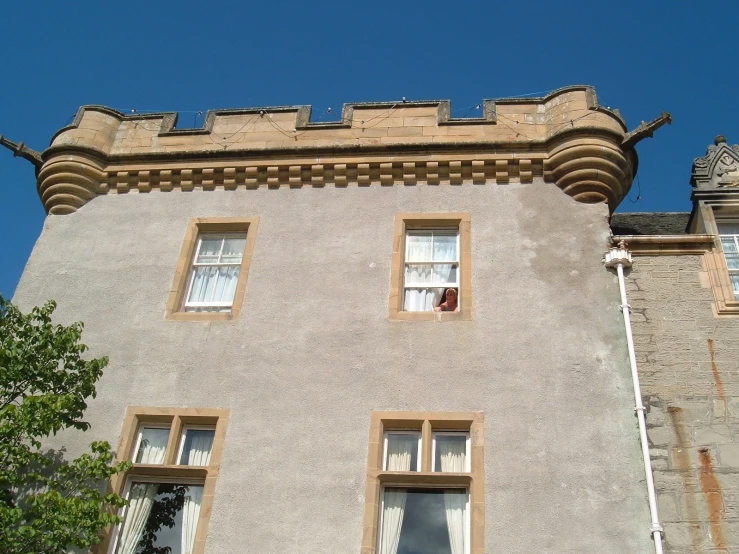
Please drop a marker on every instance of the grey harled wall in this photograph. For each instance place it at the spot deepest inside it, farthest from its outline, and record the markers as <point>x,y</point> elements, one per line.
<point>688,363</point>
<point>313,352</point>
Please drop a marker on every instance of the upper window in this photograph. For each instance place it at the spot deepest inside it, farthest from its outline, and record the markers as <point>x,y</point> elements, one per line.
<point>210,280</point>
<point>431,277</point>
<point>431,273</point>
<point>729,234</point>
<point>215,273</point>
<point>168,503</point>
<point>412,507</point>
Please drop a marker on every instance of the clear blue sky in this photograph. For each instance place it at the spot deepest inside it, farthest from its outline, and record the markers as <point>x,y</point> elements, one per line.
<point>643,57</point>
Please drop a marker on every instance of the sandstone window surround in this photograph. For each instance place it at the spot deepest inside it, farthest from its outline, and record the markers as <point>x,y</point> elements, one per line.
<point>456,273</point>
<point>729,237</point>
<point>720,220</point>
<point>215,249</point>
<point>425,461</point>
<point>176,455</point>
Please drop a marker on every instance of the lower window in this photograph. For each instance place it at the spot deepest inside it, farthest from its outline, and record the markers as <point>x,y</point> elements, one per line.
<point>423,521</point>
<point>161,517</point>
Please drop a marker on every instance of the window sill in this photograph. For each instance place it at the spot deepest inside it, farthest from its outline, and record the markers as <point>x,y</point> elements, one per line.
<point>202,316</point>
<point>465,315</point>
<point>169,470</point>
<point>435,478</point>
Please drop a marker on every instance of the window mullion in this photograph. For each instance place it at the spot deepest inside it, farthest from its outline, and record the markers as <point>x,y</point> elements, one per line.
<point>220,251</point>
<point>426,437</point>
<point>173,442</point>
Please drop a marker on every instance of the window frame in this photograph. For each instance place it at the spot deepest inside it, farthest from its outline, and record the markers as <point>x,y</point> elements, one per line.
<point>735,237</point>
<point>427,423</point>
<point>195,264</point>
<point>181,446</point>
<point>419,455</point>
<point>448,231</point>
<point>405,222</point>
<point>140,435</point>
<point>184,274</point>
<point>176,419</point>
<point>468,453</point>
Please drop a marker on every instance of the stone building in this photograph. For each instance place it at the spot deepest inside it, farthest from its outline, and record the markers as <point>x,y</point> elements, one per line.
<point>683,287</point>
<point>393,333</point>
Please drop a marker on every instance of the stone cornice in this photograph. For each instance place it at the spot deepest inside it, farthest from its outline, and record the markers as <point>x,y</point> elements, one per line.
<point>565,137</point>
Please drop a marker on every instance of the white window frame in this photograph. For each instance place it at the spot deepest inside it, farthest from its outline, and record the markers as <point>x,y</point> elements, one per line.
<point>181,446</point>
<point>127,490</point>
<point>415,286</point>
<point>467,515</point>
<point>140,436</point>
<point>194,264</point>
<point>419,453</point>
<point>467,457</point>
<point>735,237</point>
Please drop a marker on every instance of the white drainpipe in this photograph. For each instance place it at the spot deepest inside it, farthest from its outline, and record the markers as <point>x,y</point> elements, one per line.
<point>619,258</point>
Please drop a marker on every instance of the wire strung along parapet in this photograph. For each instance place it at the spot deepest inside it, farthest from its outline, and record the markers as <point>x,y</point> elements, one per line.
<point>564,137</point>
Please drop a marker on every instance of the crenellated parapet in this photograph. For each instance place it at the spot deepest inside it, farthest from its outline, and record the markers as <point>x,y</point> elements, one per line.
<point>564,137</point>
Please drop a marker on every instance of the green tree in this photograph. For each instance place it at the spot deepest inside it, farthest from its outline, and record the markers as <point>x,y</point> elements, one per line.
<point>48,504</point>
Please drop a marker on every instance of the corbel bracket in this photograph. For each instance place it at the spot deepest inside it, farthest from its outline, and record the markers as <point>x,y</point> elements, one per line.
<point>645,130</point>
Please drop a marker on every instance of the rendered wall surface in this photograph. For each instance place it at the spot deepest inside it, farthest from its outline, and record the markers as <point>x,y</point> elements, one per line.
<point>313,352</point>
<point>688,361</point>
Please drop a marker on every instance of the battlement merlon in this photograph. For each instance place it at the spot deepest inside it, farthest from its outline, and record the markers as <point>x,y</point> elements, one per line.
<point>564,137</point>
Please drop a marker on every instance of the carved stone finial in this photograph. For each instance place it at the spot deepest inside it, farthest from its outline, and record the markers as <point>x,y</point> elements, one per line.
<point>719,168</point>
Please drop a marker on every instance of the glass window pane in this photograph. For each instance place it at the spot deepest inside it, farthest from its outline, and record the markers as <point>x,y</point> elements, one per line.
<point>225,288</point>
<point>445,248</point>
<point>418,273</point>
<point>233,250</point>
<point>197,446</point>
<point>450,453</point>
<point>728,244</point>
<point>401,452</point>
<point>445,273</point>
<point>161,517</point>
<point>421,300</point>
<point>735,283</point>
<point>203,284</point>
<point>728,228</point>
<point>152,444</point>
<point>732,261</point>
<point>424,521</point>
<point>210,247</point>
<point>418,247</point>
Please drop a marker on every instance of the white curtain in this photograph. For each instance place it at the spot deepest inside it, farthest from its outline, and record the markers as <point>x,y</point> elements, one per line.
<point>213,284</point>
<point>140,501</point>
<point>453,454</point>
<point>422,300</point>
<point>152,446</point>
<point>190,515</point>
<point>399,453</point>
<point>200,445</point>
<point>455,503</point>
<point>392,519</point>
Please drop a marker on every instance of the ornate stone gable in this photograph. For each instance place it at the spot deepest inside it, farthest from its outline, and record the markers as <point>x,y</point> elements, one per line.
<point>719,168</point>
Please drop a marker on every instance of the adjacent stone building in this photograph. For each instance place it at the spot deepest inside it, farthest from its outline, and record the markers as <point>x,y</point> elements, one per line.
<point>393,333</point>
<point>683,288</point>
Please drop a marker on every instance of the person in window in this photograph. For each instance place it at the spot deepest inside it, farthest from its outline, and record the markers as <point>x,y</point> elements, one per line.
<point>448,302</point>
